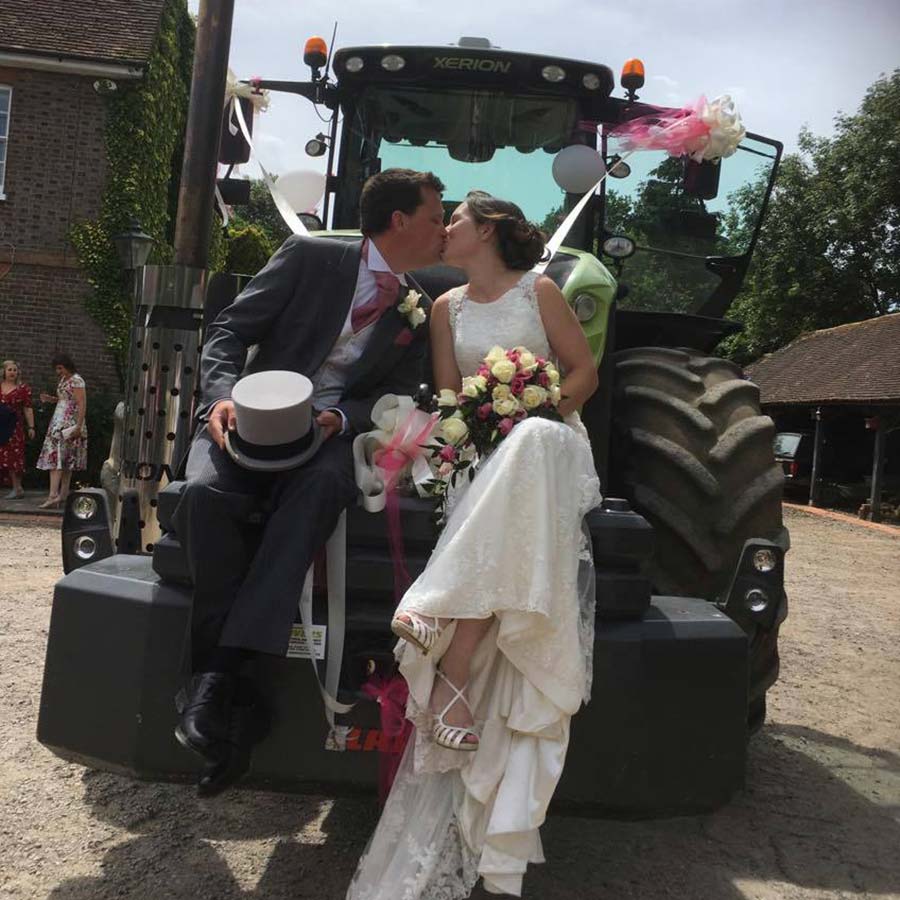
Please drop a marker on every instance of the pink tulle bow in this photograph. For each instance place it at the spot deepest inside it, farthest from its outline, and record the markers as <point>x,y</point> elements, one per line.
<point>404,447</point>
<point>680,132</point>
<point>390,694</point>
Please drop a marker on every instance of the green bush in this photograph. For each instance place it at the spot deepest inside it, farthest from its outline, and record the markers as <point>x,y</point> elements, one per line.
<point>248,250</point>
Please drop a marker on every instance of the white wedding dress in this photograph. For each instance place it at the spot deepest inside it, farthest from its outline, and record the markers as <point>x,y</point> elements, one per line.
<point>513,547</point>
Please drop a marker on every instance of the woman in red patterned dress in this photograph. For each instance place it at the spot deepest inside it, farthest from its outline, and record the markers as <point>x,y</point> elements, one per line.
<point>17,396</point>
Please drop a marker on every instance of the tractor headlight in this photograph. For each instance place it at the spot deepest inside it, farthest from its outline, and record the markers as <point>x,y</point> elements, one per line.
<point>553,74</point>
<point>84,507</point>
<point>85,547</point>
<point>585,307</point>
<point>354,64</point>
<point>764,560</point>
<point>756,600</point>
<point>591,81</point>
<point>392,62</point>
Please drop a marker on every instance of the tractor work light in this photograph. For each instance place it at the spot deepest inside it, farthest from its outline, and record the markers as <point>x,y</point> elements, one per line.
<point>392,62</point>
<point>756,596</point>
<point>315,52</point>
<point>591,81</point>
<point>354,64</point>
<point>616,168</point>
<point>618,246</point>
<point>553,74</point>
<point>86,529</point>
<point>585,307</point>
<point>756,600</point>
<point>84,507</point>
<point>85,547</point>
<point>316,146</point>
<point>764,560</point>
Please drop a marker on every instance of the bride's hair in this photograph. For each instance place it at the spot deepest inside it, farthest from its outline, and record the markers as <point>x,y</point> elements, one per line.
<point>521,243</point>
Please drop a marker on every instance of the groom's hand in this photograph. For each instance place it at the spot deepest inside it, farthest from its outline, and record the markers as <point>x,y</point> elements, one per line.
<point>330,423</point>
<point>221,419</point>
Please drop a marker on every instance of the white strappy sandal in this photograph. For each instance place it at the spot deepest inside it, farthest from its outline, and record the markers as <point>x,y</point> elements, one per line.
<point>417,630</point>
<point>454,737</point>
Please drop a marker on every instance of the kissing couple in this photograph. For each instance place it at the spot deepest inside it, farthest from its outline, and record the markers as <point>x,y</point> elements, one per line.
<point>496,634</point>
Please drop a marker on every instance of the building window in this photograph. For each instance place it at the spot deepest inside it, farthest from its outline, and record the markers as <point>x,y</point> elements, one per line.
<point>5,104</point>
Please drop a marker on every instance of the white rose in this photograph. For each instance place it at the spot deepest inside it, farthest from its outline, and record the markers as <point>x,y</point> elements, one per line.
<point>447,397</point>
<point>553,375</point>
<point>504,370</point>
<point>533,396</point>
<point>412,299</point>
<point>555,394</point>
<point>454,430</point>
<point>501,392</point>
<point>417,317</point>
<point>506,406</point>
<point>473,385</point>
<point>495,354</point>
<point>527,360</point>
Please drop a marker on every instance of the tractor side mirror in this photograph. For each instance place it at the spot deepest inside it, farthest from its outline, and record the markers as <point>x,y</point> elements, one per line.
<point>701,179</point>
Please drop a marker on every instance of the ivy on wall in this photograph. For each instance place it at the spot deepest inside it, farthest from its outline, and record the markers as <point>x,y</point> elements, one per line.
<point>144,148</point>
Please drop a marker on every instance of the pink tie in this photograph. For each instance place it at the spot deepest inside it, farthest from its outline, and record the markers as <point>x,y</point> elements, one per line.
<point>387,289</point>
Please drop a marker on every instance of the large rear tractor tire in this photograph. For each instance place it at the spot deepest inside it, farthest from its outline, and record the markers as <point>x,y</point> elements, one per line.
<point>692,452</point>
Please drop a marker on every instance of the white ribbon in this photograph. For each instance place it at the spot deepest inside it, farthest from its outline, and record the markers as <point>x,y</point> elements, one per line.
<point>389,413</point>
<point>291,219</point>
<point>336,573</point>
<point>560,234</point>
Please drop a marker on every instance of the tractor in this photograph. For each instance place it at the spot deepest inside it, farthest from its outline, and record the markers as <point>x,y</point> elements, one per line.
<point>689,545</point>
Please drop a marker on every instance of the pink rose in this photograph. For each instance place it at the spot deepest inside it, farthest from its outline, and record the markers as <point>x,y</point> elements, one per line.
<point>520,414</point>
<point>448,453</point>
<point>512,355</point>
<point>517,385</point>
<point>484,411</point>
<point>544,380</point>
<point>505,426</point>
<point>540,361</point>
<point>484,371</point>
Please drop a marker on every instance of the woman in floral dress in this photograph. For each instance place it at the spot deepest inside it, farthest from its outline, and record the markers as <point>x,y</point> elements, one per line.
<point>65,446</point>
<point>17,396</point>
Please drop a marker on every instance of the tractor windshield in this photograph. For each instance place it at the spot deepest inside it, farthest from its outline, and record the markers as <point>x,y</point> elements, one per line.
<point>471,139</point>
<point>681,236</point>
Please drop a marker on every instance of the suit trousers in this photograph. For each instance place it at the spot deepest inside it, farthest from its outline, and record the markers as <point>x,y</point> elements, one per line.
<point>246,594</point>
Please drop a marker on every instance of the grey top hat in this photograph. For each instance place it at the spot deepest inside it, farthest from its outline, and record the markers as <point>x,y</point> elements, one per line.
<point>275,428</point>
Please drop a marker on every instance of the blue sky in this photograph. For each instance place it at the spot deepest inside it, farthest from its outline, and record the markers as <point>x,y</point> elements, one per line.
<point>787,64</point>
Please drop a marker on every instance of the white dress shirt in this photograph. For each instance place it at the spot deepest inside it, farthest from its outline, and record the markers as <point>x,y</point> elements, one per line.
<point>331,377</point>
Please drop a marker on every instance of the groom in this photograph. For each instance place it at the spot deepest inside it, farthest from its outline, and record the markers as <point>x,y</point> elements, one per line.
<point>326,309</point>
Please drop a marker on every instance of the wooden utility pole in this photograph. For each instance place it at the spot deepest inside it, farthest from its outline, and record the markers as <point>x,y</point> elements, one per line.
<point>201,147</point>
<point>816,460</point>
<point>878,468</point>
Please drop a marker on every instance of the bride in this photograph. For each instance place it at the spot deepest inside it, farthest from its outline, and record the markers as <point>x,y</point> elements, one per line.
<point>497,632</point>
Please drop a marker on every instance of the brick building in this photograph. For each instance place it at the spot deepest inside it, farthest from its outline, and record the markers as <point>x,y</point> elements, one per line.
<point>56,62</point>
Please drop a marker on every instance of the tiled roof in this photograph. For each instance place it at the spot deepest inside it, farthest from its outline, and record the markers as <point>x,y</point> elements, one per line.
<point>114,31</point>
<point>855,363</point>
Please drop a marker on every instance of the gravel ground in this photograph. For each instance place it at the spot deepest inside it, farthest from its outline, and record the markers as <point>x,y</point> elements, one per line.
<point>819,818</point>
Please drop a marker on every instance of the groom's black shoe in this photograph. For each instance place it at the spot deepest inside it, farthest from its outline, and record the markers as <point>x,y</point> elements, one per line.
<point>206,713</point>
<point>250,723</point>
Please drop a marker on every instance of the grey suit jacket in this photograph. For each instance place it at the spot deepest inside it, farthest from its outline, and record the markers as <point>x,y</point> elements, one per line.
<point>294,310</point>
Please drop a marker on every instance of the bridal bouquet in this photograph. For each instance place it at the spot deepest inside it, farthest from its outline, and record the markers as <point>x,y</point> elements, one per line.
<point>509,386</point>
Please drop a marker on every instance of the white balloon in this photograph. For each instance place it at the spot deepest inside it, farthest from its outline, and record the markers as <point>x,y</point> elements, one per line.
<point>577,168</point>
<point>302,188</point>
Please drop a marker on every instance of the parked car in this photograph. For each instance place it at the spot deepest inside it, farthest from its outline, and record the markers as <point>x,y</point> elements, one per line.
<point>794,453</point>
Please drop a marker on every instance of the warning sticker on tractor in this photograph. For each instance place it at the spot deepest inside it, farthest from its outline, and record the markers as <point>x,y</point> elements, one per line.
<point>298,647</point>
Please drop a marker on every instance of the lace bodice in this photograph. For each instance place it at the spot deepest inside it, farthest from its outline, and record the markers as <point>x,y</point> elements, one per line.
<point>513,319</point>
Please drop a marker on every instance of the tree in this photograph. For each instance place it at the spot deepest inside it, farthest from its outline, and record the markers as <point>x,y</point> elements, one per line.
<point>262,212</point>
<point>829,250</point>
